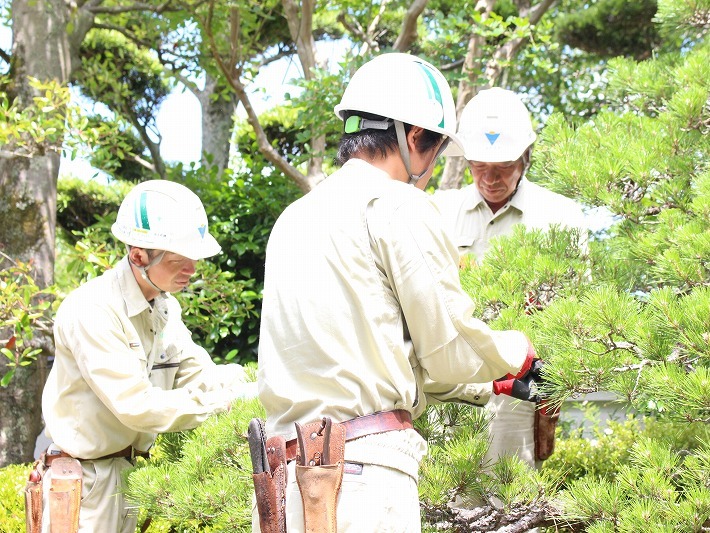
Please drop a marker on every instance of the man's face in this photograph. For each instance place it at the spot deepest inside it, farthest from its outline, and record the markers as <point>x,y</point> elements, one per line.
<point>173,272</point>
<point>496,181</point>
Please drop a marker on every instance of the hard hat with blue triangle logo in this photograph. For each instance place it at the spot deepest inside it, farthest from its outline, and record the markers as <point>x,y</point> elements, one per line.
<point>494,127</point>
<point>164,215</point>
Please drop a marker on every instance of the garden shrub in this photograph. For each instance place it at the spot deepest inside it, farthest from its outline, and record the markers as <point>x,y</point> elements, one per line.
<point>12,499</point>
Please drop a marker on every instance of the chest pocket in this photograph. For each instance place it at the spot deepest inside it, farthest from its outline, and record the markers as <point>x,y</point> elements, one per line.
<point>465,243</point>
<point>165,368</point>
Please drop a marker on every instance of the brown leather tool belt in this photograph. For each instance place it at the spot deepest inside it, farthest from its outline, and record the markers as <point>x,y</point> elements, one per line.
<point>129,453</point>
<point>361,426</point>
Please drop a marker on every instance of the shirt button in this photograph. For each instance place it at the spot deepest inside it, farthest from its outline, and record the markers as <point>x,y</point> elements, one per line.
<point>476,397</point>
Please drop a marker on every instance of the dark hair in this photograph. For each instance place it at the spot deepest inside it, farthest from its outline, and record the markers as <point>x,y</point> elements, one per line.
<point>378,143</point>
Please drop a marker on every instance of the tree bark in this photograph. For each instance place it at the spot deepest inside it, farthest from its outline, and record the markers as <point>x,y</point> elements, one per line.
<point>408,33</point>
<point>41,49</point>
<point>217,124</point>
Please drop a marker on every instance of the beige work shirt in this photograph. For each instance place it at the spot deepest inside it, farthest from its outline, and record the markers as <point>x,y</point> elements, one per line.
<point>126,370</point>
<point>471,224</point>
<point>363,304</point>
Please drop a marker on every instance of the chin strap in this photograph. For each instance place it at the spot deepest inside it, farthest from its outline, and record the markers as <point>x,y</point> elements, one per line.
<point>526,165</point>
<point>404,152</point>
<point>144,270</point>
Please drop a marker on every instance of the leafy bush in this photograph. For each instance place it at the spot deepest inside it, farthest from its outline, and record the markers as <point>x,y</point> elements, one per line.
<point>24,311</point>
<point>609,447</point>
<point>642,459</point>
<point>657,487</point>
<point>81,204</point>
<point>242,208</point>
<point>12,499</point>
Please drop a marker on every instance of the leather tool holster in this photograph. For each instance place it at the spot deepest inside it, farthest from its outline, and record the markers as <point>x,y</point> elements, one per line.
<point>319,473</point>
<point>270,487</point>
<point>546,418</point>
<point>65,495</point>
<point>33,497</point>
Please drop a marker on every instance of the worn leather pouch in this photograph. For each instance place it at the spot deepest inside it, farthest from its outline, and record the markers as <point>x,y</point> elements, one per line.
<point>319,473</point>
<point>319,486</point>
<point>65,495</point>
<point>545,423</point>
<point>33,498</point>
<point>270,488</point>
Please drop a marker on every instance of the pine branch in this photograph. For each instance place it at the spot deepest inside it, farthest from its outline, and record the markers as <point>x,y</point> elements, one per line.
<point>486,518</point>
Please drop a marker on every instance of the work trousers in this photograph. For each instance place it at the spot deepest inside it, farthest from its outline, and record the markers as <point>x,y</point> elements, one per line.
<point>511,430</point>
<point>373,497</point>
<point>103,507</point>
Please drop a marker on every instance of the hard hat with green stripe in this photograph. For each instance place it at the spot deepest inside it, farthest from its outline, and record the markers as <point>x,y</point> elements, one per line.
<point>401,87</point>
<point>164,215</point>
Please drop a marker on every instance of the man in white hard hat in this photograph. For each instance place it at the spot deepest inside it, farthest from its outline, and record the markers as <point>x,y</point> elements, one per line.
<point>125,367</point>
<point>363,306</point>
<point>497,138</point>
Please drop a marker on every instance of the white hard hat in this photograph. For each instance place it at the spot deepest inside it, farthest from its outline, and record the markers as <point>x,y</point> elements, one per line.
<point>405,88</point>
<point>164,215</point>
<point>494,127</point>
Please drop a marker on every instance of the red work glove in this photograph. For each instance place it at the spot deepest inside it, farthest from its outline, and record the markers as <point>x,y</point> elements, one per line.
<point>523,385</point>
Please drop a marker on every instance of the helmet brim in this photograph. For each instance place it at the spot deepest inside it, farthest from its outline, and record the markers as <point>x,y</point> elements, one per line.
<point>453,150</point>
<point>205,247</point>
<point>455,143</point>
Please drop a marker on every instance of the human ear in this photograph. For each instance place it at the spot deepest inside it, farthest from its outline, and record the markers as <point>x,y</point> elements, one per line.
<point>138,256</point>
<point>413,138</point>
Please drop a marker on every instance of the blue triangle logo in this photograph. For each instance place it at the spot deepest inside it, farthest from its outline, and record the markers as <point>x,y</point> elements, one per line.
<point>202,229</point>
<point>492,137</point>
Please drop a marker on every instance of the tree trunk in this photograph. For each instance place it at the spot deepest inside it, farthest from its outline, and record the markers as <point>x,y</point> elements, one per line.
<point>217,123</point>
<point>42,50</point>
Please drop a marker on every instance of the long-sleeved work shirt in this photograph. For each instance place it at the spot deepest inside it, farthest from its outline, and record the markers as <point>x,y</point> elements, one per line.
<point>472,224</point>
<point>126,369</point>
<point>362,304</point>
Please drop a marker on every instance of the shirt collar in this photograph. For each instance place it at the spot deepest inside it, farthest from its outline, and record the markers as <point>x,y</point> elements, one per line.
<point>130,290</point>
<point>474,198</point>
